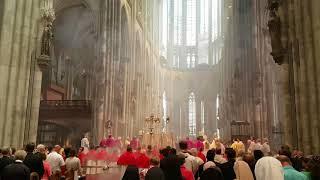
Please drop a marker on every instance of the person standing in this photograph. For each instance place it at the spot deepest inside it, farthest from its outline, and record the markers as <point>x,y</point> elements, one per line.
<point>154,172</point>
<point>73,166</point>
<point>127,158</point>
<point>227,167</point>
<point>242,170</point>
<point>186,173</point>
<point>266,147</point>
<point>34,160</point>
<point>17,170</point>
<point>131,173</point>
<point>56,162</point>
<point>85,143</point>
<point>6,159</point>
<point>191,163</point>
<point>46,166</point>
<point>289,172</point>
<point>268,168</point>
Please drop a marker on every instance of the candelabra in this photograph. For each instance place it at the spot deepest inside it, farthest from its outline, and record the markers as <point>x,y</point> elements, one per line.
<point>151,122</point>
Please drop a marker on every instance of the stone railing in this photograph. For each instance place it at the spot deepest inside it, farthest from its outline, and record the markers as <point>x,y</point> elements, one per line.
<point>83,105</point>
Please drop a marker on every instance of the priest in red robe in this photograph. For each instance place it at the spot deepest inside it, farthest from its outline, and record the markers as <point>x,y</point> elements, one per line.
<point>142,160</point>
<point>103,143</point>
<point>190,143</point>
<point>127,158</point>
<point>135,143</point>
<point>102,154</point>
<point>199,144</point>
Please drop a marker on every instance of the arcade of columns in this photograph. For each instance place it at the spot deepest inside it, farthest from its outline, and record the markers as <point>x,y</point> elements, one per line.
<point>278,95</point>
<point>125,68</point>
<point>281,101</point>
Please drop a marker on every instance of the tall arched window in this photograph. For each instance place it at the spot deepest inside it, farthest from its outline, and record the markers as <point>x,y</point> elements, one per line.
<point>191,23</point>
<point>192,115</point>
<point>202,117</point>
<point>191,61</point>
<point>204,16</point>
<point>177,38</point>
<point>165,109</point>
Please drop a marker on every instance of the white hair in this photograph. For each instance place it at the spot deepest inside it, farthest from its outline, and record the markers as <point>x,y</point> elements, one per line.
<point>41,148</point>
<point>20,155</point>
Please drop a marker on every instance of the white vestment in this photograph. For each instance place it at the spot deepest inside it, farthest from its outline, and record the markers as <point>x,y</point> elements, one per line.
<point>269,168</point>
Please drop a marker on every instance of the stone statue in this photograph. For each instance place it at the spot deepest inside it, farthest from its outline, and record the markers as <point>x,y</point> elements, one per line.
<point>46,40</point>
<point>274,25</point>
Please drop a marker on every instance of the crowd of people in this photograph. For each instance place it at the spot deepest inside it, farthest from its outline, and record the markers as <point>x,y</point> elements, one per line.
<point>190,160</point>
<point>200,160</point>
<point>39,163</point>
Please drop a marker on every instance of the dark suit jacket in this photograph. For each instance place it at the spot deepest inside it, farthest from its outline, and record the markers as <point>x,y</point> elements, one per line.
<point>34,163</point>
<point>4,161</point>
<point>155,173</point>
<point>227,170</point>
<point>16,171</point>
<point>171,168</point>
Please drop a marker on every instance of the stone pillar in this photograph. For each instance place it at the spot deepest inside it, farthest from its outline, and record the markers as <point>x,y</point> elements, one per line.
<point>20,79</point>
<point>314,5</point>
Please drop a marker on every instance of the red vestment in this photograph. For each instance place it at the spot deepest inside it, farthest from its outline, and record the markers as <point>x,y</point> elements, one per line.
<point>135,143</point>
<point>103,143</point>
<point>82,157</point>
<point>126,158</point>
<point>186,174</point>
<point>201,155</point>
<point>102,155</point>
<point>190,144</point>
<point>199,145</point>
<point>142,161</point>
<point>91,155</point>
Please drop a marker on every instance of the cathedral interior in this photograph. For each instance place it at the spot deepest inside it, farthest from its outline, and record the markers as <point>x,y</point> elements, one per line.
<point>223,68</point>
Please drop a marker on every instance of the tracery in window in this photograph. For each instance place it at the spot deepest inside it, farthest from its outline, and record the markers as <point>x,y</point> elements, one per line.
<point>191,61</point>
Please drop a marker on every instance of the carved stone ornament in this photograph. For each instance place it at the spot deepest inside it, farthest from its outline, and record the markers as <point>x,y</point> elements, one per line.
<point>43,62</point>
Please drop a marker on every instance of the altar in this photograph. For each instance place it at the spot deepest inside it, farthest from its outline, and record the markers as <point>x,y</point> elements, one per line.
<point>156,133</point>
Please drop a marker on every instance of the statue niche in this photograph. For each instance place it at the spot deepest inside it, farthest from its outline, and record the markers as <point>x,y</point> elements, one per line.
<point>46,40</point>
<point>274,25</point>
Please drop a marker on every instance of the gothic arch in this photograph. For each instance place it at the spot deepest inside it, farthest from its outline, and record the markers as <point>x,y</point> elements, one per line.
<point>75,39</point>
<point>61,5</point>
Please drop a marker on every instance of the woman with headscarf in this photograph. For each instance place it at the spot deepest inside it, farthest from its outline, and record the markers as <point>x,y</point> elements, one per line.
<point>131,173</point>
<point>268,168</point>
<point>242,171</point>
